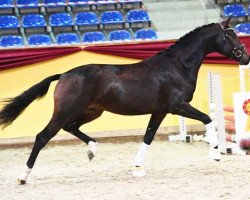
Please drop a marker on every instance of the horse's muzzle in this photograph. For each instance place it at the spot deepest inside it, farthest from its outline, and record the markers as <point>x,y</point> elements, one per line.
<point>245,59</point>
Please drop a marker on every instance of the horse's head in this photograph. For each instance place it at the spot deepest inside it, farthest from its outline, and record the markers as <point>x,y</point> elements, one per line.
<point>228,44</point>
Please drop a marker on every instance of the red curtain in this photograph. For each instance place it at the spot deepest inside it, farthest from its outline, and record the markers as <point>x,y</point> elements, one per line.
<point>21,57</point>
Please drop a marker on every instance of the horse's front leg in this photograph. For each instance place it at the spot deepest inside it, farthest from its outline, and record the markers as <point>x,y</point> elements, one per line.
<point>186,110</point>
<point>153,125</point>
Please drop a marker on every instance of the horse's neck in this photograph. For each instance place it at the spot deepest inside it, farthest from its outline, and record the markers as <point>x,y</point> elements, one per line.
<point>191,54</point>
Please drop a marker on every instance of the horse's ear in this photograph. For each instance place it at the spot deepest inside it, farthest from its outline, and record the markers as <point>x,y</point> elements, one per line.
<point>225,23</point>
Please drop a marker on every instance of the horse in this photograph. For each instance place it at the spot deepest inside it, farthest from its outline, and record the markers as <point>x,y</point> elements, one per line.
<point>161,84</point>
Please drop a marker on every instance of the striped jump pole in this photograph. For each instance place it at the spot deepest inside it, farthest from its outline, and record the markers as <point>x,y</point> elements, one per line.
<point>216,108</point>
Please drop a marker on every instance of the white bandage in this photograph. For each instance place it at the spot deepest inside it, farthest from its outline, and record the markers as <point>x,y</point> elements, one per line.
<point>25,174</point>
<point>212,135</point>
<point>92,147</point>
<point>140,156</point>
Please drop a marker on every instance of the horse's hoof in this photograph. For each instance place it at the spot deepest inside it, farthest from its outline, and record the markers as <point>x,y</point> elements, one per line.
<point>138,171</point>
<point>91,155</point>
<point>21,182</point>
<point>215,154</point>
<point>92,150</point>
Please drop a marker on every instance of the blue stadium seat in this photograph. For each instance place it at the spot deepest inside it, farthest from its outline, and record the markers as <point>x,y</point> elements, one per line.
<point>106,4</point>
<point>8,21</point>
<point>9,24</point>
<point>67,38</point>
<point>235,10</point>
<point>55,5</point>
<point>27,3</point>
<point>6,7</point>
<point>120,35</point>
<point>39,40</point>
<point>79,2</point>
<point>28,6</point>
<point>243,28</point>
<point>81,5</point>
<point>34,21</point>
<point>146,34</point>
<point>6,4</point>
<point>138,17</point>
<point>11,41</point>
<point>93,37</point>
<point>130,4</point>
<point>87,20</point>
<point>112,19</point>
<point>61,20</point>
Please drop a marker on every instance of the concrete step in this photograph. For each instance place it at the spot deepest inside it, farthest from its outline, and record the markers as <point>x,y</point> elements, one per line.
<point>178,25</point>
<point>173,5</point>
<point>180,15</point>
<point>168,35</point>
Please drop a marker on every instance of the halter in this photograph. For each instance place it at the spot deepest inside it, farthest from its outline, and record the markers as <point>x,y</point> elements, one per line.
<point>237,51</point>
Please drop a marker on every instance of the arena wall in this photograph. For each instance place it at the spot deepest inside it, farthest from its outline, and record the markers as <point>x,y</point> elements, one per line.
<point>37,115</point>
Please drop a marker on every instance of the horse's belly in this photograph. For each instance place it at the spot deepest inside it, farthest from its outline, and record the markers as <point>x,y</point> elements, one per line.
<point>129,106</point>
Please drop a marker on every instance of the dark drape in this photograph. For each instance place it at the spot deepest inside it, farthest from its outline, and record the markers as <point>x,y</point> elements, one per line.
<point>21,57</point>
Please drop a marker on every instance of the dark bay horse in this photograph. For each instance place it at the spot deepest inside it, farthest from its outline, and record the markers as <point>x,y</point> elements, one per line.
<point>162,84</point>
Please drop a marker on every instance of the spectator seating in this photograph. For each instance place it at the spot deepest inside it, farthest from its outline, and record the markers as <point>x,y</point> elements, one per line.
<point>87,21</point>
<point>55,5</point>
<point>61,21</point>
<point>7,7</point>
<point>106,4</point>
<point>130,4</point>
<point>248,10</point>
<point>28,6</point>
<point>120,35</point>
<point>93,37</point>
<point>11,41</point>
<point>138,18</point>
<point>67,38</point>
<point>112,19</point>
<point>81,5</point>
<point>243,28</point>
<point>39,40</point>
<point>34,23</point>
<point>9,24</point>
<point>34,26</point>
<point>235,10</point>
<point>146,34</point>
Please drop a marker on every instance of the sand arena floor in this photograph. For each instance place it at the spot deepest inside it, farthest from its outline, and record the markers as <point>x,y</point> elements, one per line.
<point>174,171</point>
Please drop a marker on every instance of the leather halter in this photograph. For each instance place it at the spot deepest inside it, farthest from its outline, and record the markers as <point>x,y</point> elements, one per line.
<point>237,50</point>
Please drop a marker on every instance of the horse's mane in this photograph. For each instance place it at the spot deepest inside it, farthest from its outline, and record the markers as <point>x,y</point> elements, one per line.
<point>185,37</point>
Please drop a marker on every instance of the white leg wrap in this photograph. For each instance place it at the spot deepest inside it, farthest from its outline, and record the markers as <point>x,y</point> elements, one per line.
<point>92,147</point>
<point>212,135</point>
<point>25,174</point>
<point>139,160</point>
<point>212,139</point>
<point>140,156</point>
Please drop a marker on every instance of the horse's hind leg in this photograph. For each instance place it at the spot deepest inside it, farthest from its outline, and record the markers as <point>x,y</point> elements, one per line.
<point>73,128</point>
<point>41,140</point>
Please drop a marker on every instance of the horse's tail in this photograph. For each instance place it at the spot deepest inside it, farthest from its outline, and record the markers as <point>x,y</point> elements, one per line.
<point>15,106</point>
